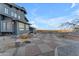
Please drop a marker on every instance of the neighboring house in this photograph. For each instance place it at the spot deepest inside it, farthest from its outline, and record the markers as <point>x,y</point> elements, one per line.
<point>12,19</point>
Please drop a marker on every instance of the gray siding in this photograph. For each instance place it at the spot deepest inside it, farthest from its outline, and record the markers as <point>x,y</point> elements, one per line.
<point>14,10</point>
<point>22,31</point>
<point>6,25</point>
<point>2,9</point>
<point>0,23</point>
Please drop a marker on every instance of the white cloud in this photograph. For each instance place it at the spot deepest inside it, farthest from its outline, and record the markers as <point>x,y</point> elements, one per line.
<point>33,24</point>
<point>73,5</point>
<point>36,26</point>
<point>53,22</point>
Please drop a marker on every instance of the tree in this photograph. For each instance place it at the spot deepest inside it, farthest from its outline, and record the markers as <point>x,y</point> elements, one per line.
<point>74,24</point>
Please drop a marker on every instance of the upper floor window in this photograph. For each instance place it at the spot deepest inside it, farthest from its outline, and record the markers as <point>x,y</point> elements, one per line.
<point>12,14</point>
<point>19,17</point>
<point>6,10</point>
<point>15,15</point>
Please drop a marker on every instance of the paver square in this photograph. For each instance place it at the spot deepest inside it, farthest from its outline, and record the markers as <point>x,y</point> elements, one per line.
<point>38,41</point>
<point>32,51</point>
<point>44,48</point>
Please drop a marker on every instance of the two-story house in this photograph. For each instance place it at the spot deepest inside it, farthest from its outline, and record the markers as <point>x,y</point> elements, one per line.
<point>12,19</point>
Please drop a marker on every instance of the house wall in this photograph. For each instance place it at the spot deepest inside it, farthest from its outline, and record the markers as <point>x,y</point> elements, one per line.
<point>12,27</point>
<point>26,30</point>
<point>6,25</point>
<point>0,23</point>
<point>10,10</point>
<point>11,16</point>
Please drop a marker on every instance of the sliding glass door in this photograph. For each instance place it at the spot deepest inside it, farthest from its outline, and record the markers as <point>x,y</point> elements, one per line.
<point>6,26</point>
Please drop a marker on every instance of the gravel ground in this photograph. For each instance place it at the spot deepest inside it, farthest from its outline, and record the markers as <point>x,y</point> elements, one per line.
<point>44,44</point>
<point>70,49</point>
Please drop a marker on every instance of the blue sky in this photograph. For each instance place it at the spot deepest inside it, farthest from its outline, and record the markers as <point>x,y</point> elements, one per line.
<point>50,15</point>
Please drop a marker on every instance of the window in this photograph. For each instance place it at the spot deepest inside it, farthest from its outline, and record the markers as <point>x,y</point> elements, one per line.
<point>21,26</point>
<point>4,25</point>
<point>12,14</point>
<point>19,17</point>
<point>27,27</point>
<point>15,15</point>
<point>6,10</point>
<point>9,26</point>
